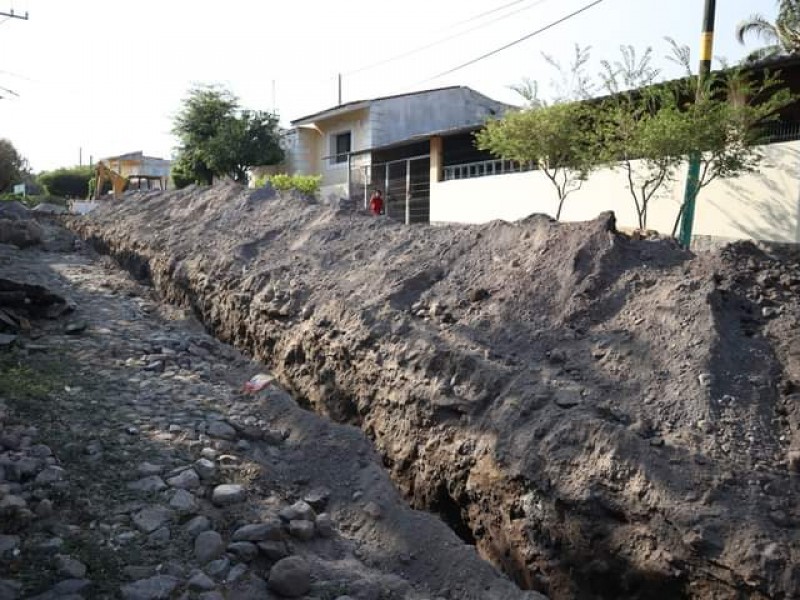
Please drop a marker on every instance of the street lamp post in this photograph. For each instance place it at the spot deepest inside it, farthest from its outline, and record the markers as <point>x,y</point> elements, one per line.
<point>690,195</point>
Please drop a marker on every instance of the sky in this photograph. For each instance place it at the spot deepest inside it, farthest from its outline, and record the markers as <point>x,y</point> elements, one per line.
<point>96,78</point>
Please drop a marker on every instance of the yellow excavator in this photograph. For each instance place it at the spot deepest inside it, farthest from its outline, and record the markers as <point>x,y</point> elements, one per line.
<point>103,174</point>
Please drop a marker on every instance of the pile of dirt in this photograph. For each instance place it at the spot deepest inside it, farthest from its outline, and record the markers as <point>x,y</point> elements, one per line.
<point>601,416</point>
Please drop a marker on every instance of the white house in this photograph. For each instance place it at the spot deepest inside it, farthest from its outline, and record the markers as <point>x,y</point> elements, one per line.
<point>324,143</point>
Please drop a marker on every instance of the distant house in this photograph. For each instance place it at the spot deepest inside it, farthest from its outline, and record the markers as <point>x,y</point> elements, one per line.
<point>340,143</point>
<point>143,172</point>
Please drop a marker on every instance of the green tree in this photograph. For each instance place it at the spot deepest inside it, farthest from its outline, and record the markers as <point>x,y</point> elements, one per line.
<point>72,182</point>
<point>218,138</point>
<point>13,167</point>
<point>726,122</point>
<point>781,37</point>
<point>638,132</point>
<point>559,139</point>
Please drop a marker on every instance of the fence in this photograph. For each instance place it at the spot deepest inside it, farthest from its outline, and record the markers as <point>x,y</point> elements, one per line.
<point>405,184</point>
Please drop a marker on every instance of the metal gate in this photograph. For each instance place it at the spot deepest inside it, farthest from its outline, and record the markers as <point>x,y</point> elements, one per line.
<point>405,184</point>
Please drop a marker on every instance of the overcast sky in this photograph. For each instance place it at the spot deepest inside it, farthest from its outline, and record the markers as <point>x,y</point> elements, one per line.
<point>108,76</point>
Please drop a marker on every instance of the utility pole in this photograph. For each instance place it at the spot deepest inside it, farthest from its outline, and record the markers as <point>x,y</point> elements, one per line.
<point>12,15</point>
<point>340,89</point>
<point>692,179</point>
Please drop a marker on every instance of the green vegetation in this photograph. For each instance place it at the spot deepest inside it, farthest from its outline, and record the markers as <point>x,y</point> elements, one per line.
<point>13,166</point>
<point>220,139</point>
<point>781,37</point>
<point>643,128</point>
<point>305,184</point>
<point>68,182</point>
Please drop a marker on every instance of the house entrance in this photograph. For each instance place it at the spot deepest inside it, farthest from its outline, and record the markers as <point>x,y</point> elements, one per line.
<point>405,183</point>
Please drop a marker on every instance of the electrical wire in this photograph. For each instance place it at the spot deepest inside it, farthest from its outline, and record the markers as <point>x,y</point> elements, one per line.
<point>515,42</point>
<point>440,41</point>
<point>488,12</point>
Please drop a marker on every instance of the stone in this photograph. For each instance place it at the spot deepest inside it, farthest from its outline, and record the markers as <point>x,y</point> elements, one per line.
<point>205,468</point>
<point>221,429</point>
<point>258,532</point>
<point>186,480</point>
<point>236,573</point>
<point>325,526</point>
<point>159,538</point>
<point>318,498</point>
<point>290,577</point>
<point>149,469</point>
<point>212,596</point>
<point>705,379</point>
<point>244,551</point>
<point>8,543</point>
<point>373,509</point>
<point>208,453</point>
<point>299,511</point>
<point>138,572</point>
<point>44,509</point>
<point>52,545</point>
<point>478,294</point>
<point>12,503</point>
<point>6,339</point>
<point>302,530</point>
<point>70,567</point>
<point>150,519</point>
<point>50,474</point>
<point>227,494</point>
<point>197,525</point>
<point>219,568</point>
<point>200,582</point>
<point>274,550</point>
<point>75,327</point>
<point>184,502</point>
<point>568,398</point>
<point>150,484</point>
<point>40,451</point>
<point>208,546</point>
<point>159,587</point>
<point>70,586</point>
<point>9,589</point>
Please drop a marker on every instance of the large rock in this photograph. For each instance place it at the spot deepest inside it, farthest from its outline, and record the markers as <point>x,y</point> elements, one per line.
<point>208,546</point>
<point>290,577</point>
<point>150,519</point>
<point>227,494</point>
<point>220,429</point>
<point>159,587</point>
<point>258,532</point>
<point>185,480</point>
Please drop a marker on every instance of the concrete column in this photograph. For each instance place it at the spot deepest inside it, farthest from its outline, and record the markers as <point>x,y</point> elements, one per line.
<point>437,159</point>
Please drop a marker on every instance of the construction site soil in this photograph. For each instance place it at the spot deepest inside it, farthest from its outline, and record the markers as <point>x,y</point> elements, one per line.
<point>601,416</point>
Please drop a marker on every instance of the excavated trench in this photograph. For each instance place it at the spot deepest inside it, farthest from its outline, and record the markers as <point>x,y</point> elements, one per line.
<point>572,507</point>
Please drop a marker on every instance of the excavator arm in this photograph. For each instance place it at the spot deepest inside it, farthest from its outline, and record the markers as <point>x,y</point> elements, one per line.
<point>104,173</point>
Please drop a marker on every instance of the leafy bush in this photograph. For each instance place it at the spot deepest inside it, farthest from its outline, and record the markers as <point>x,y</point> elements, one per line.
<point>68,182</point>
<point>305,184</point>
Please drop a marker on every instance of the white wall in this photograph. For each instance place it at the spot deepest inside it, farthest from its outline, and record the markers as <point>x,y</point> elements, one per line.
<point>763,205</point>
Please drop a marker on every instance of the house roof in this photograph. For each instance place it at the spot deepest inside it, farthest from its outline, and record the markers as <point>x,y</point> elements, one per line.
<point>422,137</point>
<point>359,104</point>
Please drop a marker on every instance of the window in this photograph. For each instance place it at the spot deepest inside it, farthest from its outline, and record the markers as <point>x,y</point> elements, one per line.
<point>340,147</point>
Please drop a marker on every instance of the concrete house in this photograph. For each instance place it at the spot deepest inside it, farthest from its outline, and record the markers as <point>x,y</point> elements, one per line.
<point>337,143</point>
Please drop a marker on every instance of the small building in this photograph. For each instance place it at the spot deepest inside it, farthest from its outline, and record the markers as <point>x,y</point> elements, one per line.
<point>143,172</point>
<point>339,143</point>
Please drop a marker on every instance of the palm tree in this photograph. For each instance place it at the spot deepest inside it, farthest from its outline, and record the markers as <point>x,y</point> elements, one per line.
<point>782,37</point>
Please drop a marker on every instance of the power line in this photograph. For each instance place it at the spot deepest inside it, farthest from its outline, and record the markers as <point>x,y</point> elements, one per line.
<point>440,41</point>
<point>515,42</point>
<point>488,12</point>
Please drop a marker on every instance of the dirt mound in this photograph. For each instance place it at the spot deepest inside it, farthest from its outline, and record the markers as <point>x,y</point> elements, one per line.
<point>601,416</point>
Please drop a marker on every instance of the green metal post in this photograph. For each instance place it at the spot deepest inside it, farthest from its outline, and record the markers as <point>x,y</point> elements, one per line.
<point>690,195</point>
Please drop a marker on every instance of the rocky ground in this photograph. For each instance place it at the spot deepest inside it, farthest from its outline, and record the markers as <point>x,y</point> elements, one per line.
<point>133,463</point>
<point>604,417</point>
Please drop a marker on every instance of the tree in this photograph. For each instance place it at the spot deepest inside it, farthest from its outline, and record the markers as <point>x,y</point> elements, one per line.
<point>781,37</point>
<point>559,139</point>
<point>13,166</point>
<point>72,182</point>
<point>638,135</point>
<point>218,138</point>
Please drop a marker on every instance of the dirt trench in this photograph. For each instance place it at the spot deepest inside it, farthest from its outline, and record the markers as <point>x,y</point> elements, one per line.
<point>602,417</point>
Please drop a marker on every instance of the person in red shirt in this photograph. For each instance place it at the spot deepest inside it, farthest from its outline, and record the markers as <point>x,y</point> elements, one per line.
<point>376,203</point>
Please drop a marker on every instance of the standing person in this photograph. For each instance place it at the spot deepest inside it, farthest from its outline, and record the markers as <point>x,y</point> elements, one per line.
<point>376,203</point>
